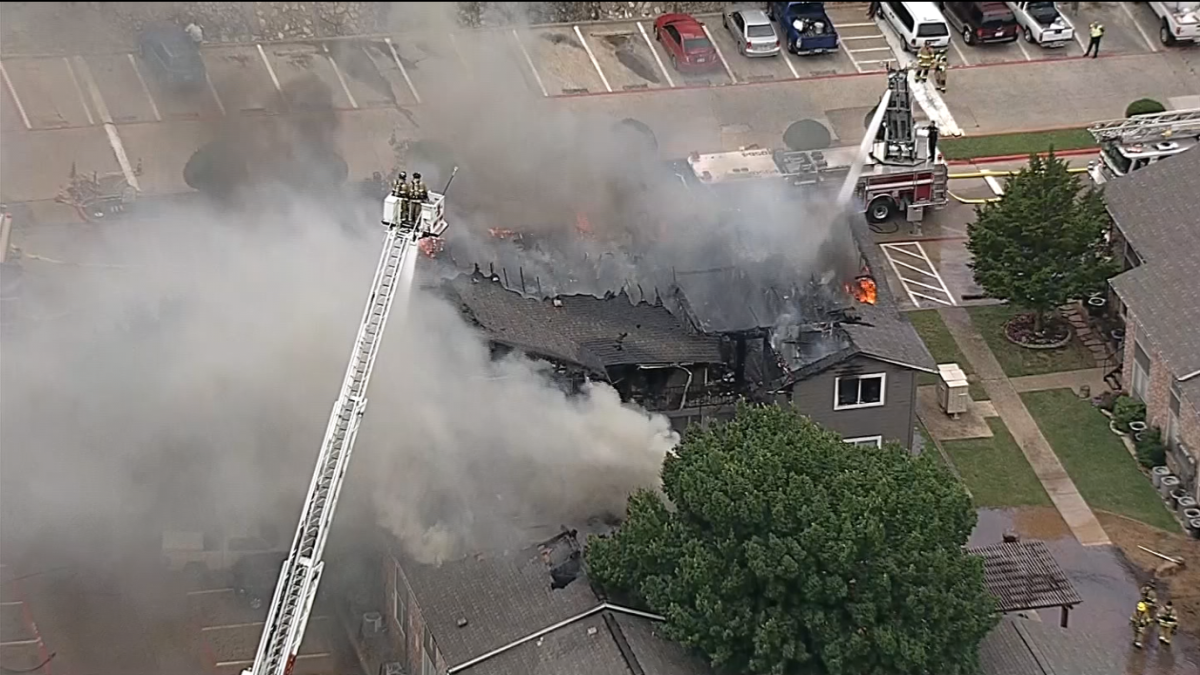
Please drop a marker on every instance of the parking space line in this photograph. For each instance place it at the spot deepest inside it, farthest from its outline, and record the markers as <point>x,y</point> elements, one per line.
<point>874,61</point>
<point>936,274</point>
<point>18,643</point>
<point>209,591</point>
<point>914,268</point>
<point>16,99</point>
<point>145,90</point>
<point>861,37</point>
<point>958,50</point>
<point>896,247</point>
<point>213,91</point>
<point>232,626</point>
<point>270,70</point>
<point>728,70</point>
<point>994,185</point>
<point>922,284</point>
<point>850,55</point>
<point>337,72</point>
<point>541,85</point>
<point>11,603</point>
<point>110,129</point>
<point>592,56</point>
<point>461,59</point>
<point>1079,39</point>
<point>1024,52</point>
<point>787,60</point>
<point>929,297</point>
<point>403,70</point>
<point>657,58</point>
<point>887,254</point>
<point>864,24</point>
<point>872,49</point>
<point>1138,26</point>
<point>230,664</point>
<point>79,90</point>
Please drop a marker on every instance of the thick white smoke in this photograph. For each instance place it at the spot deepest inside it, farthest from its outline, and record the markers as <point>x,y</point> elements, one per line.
<point>189,388</point>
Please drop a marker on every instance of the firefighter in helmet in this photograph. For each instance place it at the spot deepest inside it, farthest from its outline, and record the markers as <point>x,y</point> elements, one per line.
<point>418,194</point>
<point>1141,620</point>
<point>1167,623</point>
<point>925,59</point>
<point>1149,596</point>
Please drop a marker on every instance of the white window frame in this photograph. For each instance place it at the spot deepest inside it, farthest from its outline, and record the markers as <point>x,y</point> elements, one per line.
<point>1173,405</point>
<point>864,440</point>
<point>837,385</point>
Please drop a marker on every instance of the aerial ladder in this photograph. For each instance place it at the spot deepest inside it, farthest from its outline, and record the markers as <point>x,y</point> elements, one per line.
<point>1133,143</point>
<point>410,213</point>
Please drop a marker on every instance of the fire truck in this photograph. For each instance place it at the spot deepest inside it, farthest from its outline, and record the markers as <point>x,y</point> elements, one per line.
<point>900,175</point>
<point>1129,144</point>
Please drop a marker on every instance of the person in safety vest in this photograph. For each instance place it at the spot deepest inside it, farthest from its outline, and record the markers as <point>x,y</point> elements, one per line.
<point>1166,624</point>
<point>924,62</point>
<point>1095,31</point>
<point>941,63</point>
<point>1140,620</point>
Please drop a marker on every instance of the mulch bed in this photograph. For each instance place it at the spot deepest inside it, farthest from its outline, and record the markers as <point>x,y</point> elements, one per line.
<point>1055,332</point>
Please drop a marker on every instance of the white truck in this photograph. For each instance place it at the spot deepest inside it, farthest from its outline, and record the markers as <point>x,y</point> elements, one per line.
<point>197,552</point>
<point>1127,145</point>
<point>1177,21</point>
<point>1042,24</point>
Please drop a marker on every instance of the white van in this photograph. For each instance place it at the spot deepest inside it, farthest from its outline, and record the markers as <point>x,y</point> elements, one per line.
<point>917,23</point>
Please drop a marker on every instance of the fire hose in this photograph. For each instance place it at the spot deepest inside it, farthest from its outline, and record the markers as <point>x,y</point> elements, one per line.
<point>985,173</point>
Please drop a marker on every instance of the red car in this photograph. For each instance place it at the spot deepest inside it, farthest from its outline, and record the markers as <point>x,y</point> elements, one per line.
<point>687,46</point>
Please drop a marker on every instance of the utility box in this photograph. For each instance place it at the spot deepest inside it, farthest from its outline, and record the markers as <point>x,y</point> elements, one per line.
<point>954,395</point>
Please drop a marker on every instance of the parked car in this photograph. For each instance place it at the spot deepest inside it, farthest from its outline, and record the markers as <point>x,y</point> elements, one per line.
<point>1042,24</point>
<point>255,576</point>
<point>172,56</point>
<point>752,31</point>
<point>687,46</point>
<point>980,22</point>
<point>917,24</point>
<point>806,26</point>
<point>1178,22</point>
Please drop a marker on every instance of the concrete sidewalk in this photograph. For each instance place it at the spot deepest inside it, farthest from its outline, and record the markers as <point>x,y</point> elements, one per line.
<point>1024,429</point>
<point>1093,378</point>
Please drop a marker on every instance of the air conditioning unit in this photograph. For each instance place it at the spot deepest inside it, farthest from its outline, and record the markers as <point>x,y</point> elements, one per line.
<point>372,623</point>
<point>954,395</point>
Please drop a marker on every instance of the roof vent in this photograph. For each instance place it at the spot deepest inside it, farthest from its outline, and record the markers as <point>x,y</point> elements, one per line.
<point>462,622</point>
<point>557,302</point>
<point>1166,145</point>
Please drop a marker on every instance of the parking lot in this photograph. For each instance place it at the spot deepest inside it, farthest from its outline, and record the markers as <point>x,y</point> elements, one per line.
<point>228,631</point>
<point>21,645</point>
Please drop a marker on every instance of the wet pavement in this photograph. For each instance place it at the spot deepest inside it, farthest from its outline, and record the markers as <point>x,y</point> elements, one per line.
<point>1107,583</point>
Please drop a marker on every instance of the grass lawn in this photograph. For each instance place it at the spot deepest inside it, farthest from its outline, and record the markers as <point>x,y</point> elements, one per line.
<point>1106,475</point>
<point>1021,143</point>
<point>1018,361</point>
<point>996,471</point>
<point>941,344</point>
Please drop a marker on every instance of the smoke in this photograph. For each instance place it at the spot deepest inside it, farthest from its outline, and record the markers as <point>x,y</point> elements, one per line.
<point>190,388</point>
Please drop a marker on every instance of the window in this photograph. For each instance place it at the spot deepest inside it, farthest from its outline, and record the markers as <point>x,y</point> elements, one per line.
<point>902,14</point>
<point>932,30</point>
<point>1173,417</point>
<point>875,441</point>
<point>696,45</point>
<point>737,20</point>
<point>760,30</point>
<point>1141,371</point>
<point>428,653</point>
<point>673,33</point>
<point>859,391</point>
<point>399,600</point>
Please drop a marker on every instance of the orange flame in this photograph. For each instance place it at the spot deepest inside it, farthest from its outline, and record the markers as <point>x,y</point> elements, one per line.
<point>863,289</point>
<point>431,246</point>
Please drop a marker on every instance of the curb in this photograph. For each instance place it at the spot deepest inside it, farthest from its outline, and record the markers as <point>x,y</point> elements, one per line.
<point>1011,158</point>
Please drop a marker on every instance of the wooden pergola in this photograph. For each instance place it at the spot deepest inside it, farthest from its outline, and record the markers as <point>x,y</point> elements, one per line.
<point>1025,576</point>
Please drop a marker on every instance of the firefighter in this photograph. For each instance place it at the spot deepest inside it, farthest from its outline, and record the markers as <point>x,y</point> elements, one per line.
<point>941,63</point>
<point>1148,595</point>
<point>924,62</point>
<point>400,189</point>
<point>1140,620</point>
<point>1166,623</point>
<point>1095,31</point>
<point>932,137</point>
<point>418,193</point>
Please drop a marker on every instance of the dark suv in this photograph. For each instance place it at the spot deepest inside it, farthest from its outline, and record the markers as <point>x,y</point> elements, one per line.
<point>172,56</point>
<point>980,22</point>
<point>255,576</point>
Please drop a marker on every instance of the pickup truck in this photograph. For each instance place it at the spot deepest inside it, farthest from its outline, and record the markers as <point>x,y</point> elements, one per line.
<point>1178,21</point>
<point>806,26</point>
<point>1042,24</point>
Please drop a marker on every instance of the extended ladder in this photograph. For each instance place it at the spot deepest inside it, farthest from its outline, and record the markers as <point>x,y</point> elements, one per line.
<point>301,571</point>
<point>1147,127</point>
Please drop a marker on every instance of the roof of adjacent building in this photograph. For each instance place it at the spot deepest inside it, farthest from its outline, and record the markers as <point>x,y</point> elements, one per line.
<point>507,597</point>
<point>1020,646</point>
<point>1157,210</point>
<point>1024,575</point>
<point>594,332</point>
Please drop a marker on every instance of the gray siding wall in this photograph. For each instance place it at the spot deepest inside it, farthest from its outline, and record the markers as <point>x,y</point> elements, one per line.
<point>894,420</point>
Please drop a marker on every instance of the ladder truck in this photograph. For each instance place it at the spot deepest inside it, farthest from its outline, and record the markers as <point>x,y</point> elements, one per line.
<point>410,214</point>
<point>1129,144</point>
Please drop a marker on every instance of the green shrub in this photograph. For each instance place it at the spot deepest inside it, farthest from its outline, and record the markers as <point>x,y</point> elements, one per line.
<point>1105,401</point>
<point>1150,448</point>
<point>1128,409</point>
<point>1144,106</point>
